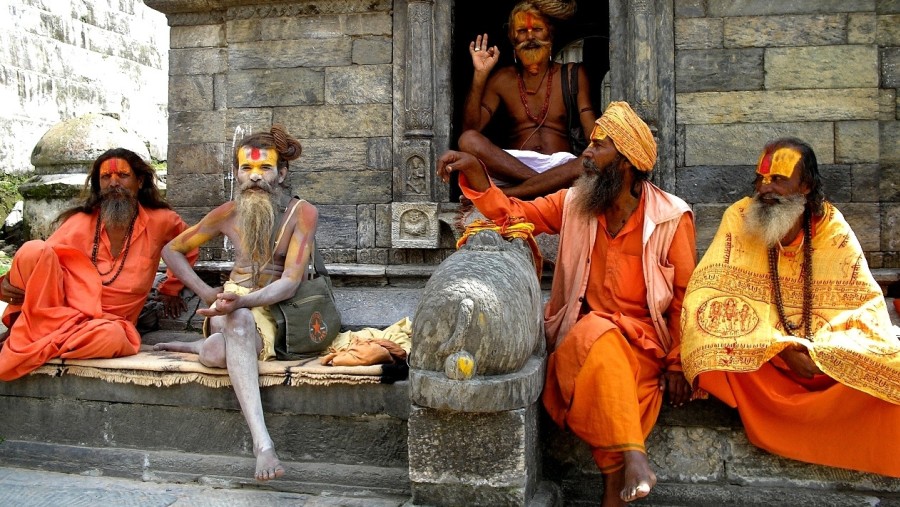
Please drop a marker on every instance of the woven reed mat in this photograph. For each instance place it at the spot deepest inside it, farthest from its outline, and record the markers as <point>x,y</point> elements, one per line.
<point>162,368</point>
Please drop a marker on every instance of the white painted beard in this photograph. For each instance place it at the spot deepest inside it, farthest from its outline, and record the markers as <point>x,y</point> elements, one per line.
<point>771,222</point>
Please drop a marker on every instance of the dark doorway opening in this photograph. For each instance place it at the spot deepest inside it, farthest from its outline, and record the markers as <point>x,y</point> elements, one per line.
<point>589,28</point>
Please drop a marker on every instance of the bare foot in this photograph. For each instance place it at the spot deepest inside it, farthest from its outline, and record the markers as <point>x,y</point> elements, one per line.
<point>637,479</point>
<point>191,347</point>
<point>612,486</point>
<point>267,465</point>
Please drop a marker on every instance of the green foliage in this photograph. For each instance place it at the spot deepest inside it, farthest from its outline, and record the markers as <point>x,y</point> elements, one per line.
<point>9,191</point>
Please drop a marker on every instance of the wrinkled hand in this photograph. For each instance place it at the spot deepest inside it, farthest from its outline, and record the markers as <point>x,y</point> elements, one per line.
<point>676,386</point>
<point>10,293</point>
<point>457,161</point>
<point>797,358</point>
<point>226,302</point>
<point>173,306</point>
<point>484,58</point>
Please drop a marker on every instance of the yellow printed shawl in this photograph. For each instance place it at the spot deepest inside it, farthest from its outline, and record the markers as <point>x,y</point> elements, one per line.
<point>730,323</point>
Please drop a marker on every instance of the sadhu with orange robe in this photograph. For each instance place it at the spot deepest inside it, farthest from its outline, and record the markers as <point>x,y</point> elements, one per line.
<point>784,321</point>
<point>78,294</point>
<point>612,322</point>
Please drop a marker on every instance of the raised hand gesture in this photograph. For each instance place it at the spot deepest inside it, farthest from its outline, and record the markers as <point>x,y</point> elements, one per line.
<point>484,58</point>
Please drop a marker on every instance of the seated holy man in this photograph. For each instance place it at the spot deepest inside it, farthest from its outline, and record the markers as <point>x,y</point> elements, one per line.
<point>783,320</point>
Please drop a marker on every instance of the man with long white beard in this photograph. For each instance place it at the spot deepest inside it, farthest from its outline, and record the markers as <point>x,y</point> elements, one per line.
<point>78,294</point>
<point>626,252</point>
<point>240,327</point>
<point>811,361</point>
<point>538,157</point>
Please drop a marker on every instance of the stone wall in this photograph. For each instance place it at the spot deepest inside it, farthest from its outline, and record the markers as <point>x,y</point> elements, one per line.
<point>824,71</point>
<point>66,58</point>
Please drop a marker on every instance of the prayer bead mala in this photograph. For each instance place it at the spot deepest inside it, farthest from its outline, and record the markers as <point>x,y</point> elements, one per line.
<point>124,254</point>
<point>545,107</point>
<point>807,282</point>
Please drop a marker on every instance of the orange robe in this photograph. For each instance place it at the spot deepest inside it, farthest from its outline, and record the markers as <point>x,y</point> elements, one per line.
<point>848,417</point>
<point>67,312</point>
<point>603,380</point>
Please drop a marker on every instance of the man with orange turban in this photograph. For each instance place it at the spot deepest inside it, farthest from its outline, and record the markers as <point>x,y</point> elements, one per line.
<point>626,252</point>
<point>808,355</point>
<point>78,294</point>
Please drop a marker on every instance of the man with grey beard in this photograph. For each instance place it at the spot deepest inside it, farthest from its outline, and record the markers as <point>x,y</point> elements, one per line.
<point>538,157</point>
<point>78,294</point>
<point>626,252</point>
<point>240,327</point>
<point>811,360</point>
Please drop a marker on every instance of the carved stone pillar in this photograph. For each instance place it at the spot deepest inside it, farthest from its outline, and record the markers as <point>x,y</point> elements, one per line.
<point>642,71</point>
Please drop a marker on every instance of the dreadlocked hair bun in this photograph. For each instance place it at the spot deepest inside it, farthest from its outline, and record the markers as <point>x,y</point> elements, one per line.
<point>557,9</point>
<point>288,148</point>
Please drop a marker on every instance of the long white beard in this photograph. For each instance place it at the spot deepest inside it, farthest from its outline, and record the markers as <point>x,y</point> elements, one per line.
<point>772,222</point>
<point>117,207</point>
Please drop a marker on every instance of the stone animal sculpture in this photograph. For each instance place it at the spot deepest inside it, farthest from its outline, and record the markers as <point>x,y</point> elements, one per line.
<point>481,311</point>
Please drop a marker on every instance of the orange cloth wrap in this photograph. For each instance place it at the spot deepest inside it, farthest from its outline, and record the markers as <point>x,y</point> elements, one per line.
<point>630,134</point>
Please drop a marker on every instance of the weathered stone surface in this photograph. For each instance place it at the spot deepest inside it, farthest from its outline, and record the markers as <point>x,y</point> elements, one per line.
<point>861,28</point>
<point>889,183</point>
<point>372,256</point>
<point>890,142</point>
<point>337,225</point>
<point>491,394</point>
<point>358,84</point>
<point>698,33</point>
<point>888,30</point>
<point>198,126</point>
<point>363,120</point>
<point>196,36</point>
<point>856,142</point>
<point>707,218</point>
<point>220,95</point>
<point>241,122</point>
<point>414,225</point>
<point>383,225</point>
<point>888,105</point>
<point>482,300</point>
<point>339,154</point>
<point>375,50</point>
<point>379,153</point>
<point>865,220</point>
<point>207,158</point>
<point>836,181</point>
<point>354,187</point>
<point>890,67</point>
<point>821,67</point>
<point>376,23</point>
<point>722,184</point>
<point>890,222</point>
<point>774,7</point>
<point>742,143</point>
<point>278,29</point>
<point>192,92</point>
<point>689,455</point>
<point>472,459</point>
<point>888,6</point>
<point>187,189</point>
<point>767,106</point>
<point>71,146</point>
<point>365,226</point>
<point>290,53</point>
<point>275,87</point>
<point>197,61</point>
<point>812,30</point>
<point>719,70</point>
<point>690,8</point>
<point>866,182</point>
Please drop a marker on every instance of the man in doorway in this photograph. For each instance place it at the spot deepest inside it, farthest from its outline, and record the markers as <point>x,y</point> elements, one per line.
<point>612,322</point>
<point>78,294</point>
<point>240,328</point>
<point>538,156</point>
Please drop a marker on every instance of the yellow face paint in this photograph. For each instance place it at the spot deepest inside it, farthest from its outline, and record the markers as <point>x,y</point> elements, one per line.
<point>255,159</point>
<point>115,166</point>
<point>780,163</point>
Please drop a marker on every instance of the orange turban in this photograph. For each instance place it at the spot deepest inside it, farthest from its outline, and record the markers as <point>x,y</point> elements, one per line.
<point>630,134</point>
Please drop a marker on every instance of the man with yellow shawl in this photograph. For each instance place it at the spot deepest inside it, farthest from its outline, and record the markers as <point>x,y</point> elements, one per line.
<point>784,321</point>
<point>626,253</point>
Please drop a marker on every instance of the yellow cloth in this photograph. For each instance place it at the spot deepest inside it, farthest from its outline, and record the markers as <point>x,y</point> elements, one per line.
<point>630,134</point>
<point>399,333</point>
<point>265,322</point>
<point>730,322</point>
<point>514,228</point>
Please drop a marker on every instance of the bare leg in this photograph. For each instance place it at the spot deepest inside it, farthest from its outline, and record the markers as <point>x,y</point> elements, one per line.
<point>612,486</point>
<point>637,477</point>
<point>242,345</point>
<point>499,164</point>
<point>547,182</point>
<point>192,347</point>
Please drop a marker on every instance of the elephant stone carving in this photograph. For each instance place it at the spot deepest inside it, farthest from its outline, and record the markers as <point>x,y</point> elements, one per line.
<point>481,311</point>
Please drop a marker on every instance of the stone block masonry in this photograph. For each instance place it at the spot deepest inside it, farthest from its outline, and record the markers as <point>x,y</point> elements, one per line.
<point>67,58</point>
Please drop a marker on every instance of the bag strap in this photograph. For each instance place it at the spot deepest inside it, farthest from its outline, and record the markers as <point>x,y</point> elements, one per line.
<point>569,79</point>
<point>318,261</point>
